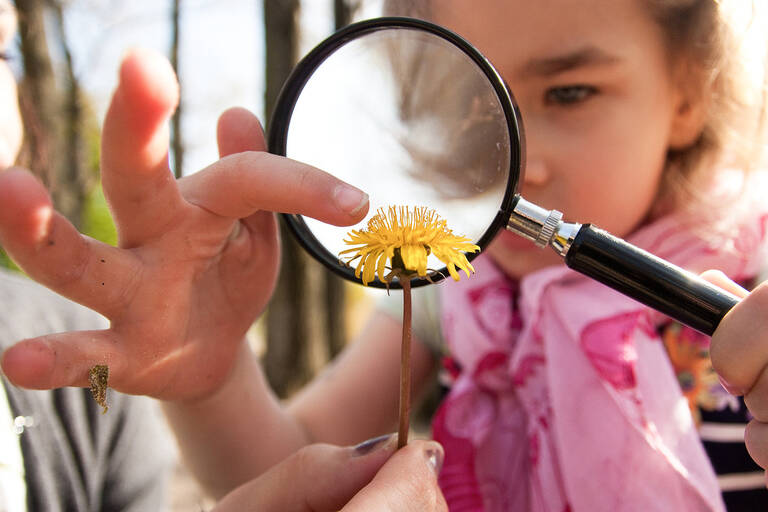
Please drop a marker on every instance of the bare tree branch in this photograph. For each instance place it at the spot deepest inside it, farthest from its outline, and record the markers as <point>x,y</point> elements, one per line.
<point>53,115</point>
<point>177,141</point>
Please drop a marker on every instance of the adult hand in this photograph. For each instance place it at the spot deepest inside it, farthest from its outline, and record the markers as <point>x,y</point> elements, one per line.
<point>196,260</point>
<point>739,354</point>
<point>325,477</point>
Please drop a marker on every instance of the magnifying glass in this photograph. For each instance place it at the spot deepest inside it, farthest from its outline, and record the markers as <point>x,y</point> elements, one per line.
<point>414,115</point>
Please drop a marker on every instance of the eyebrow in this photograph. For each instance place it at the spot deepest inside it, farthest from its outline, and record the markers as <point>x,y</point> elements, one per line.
<point>548,66</point>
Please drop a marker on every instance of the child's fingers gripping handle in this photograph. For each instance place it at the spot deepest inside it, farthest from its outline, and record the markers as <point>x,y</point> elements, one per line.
<point>739,350</point>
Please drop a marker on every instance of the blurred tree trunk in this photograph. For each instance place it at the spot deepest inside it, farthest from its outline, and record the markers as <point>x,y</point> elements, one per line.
<point>53,115</point>
<point>333,285</point>
<point>341,13</point>
<point>286,362</point>
<point>177,141</point>
<point>37,89</point>
<point>73,184</point>
<point>344,11</point>
<point>306,317</point>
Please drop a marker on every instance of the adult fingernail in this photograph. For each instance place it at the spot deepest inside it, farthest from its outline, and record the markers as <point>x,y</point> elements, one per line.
<point>349,199</point>
<point>370,445</point>
<point>435,457</point>
<point>729,388</point>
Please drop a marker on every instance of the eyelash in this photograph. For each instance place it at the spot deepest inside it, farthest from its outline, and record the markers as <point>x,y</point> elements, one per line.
<point>4,56</point>
<point>569,95</point>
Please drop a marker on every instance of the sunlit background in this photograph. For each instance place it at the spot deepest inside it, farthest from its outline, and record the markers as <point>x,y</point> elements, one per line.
<point>221,56</point>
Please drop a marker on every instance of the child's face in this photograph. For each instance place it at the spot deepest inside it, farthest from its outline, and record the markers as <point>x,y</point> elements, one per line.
<point>593,83</point>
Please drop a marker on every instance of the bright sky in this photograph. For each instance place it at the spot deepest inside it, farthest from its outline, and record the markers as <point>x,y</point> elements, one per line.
<point>222,48</point>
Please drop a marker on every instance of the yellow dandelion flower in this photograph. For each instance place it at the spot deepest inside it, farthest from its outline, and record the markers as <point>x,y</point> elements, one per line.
<point>404,237</point>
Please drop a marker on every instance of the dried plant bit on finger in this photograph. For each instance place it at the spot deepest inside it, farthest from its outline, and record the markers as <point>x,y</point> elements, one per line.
<point>98,376</point>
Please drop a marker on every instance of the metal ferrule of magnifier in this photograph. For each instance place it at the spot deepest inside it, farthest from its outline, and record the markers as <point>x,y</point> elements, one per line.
<point>541,226</point>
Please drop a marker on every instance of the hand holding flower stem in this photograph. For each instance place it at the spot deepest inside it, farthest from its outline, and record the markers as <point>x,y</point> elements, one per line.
<point>405,238</point>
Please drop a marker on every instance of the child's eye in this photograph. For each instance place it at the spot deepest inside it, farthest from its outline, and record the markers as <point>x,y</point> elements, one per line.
<point>569,95</point>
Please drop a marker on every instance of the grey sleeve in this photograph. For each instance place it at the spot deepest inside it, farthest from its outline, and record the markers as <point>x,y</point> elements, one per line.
<point>75,457</point>
<point>139,458</point>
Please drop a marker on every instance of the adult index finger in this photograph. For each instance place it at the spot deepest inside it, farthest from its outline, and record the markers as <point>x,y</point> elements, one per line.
<point>317,477</point>
<point>239,185</point>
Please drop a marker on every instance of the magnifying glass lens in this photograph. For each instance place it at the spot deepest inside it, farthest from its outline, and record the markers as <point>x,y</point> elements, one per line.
<point>406,116</point>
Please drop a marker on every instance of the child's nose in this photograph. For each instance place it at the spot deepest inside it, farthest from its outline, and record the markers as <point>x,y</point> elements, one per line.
<point>536,172</point>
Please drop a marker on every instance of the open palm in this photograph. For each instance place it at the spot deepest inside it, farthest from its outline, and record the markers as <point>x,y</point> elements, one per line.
<point>196,260</point>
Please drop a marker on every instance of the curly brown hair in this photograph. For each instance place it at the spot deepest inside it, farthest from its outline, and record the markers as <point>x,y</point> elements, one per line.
<point>714,43</point>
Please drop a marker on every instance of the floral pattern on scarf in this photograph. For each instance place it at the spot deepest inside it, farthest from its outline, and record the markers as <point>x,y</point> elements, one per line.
<point>564,397</point>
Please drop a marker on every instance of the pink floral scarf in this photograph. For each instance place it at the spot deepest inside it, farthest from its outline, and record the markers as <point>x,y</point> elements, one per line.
<point>564,398</point>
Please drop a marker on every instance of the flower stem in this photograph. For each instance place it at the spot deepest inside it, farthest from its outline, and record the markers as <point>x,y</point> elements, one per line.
<point>405,366</point>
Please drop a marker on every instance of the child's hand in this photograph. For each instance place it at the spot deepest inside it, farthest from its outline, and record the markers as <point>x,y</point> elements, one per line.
<point>740,356</point>
<point>197,259</point>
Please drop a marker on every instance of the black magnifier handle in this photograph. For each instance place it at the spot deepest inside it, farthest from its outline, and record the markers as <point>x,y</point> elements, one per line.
<point>636,273</point>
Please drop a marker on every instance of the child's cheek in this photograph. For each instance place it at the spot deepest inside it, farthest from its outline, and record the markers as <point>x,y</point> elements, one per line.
<point>517,256</point>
